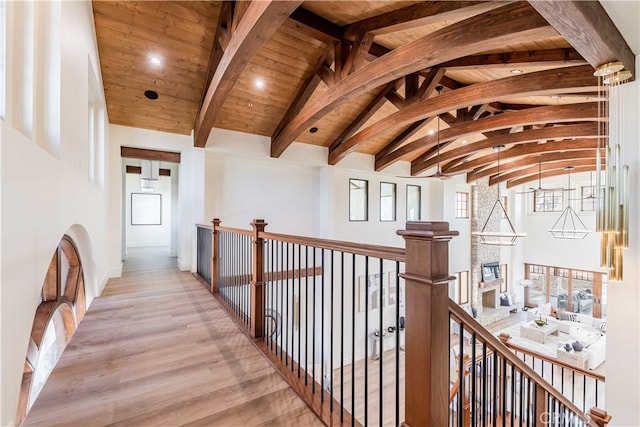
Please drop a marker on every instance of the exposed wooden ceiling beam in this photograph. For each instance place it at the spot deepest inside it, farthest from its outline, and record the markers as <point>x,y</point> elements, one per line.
<point>553,161</point>
<point>419,14</point>
<point>582,130</point>
<point>260,21</point>
<point>487,31</point>
<point>587,111</point>
<point>542,82</point>
<point>314,26</point>
<point>526,147</point>
<point>589,29</point>
<point>147,154</point>
<point>549,57</point>
<point>549,174</point>
<point>588,129</point>
<point>541,159</point>
<point>567,80</point>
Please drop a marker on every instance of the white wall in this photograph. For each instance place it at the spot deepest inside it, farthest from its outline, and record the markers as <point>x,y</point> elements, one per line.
<point>190,184</point>
<point>45,185</point>
<point>623,315</point>
<point>149,235</point>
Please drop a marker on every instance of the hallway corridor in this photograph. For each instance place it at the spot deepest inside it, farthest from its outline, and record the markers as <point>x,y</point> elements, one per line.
<point>156,349</point>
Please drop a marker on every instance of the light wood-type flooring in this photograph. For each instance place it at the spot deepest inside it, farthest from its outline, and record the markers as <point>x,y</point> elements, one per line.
<point>156,349</point>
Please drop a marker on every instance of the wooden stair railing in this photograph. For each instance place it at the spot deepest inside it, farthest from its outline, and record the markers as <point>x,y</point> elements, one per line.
<point>548,404</point>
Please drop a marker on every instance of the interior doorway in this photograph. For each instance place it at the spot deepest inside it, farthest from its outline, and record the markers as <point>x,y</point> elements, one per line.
<point>150,202</point>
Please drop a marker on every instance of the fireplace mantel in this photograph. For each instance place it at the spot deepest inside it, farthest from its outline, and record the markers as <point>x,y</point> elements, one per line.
<point>490,284</point>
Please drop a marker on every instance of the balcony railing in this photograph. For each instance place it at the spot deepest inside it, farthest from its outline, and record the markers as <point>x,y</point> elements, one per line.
<point>367,335</point>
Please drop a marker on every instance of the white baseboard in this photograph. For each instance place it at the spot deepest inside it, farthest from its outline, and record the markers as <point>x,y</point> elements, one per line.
<point>184,265</point>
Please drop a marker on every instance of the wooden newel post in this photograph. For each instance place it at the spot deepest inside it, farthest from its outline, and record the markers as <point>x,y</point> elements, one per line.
<point>427,323</point>
<point>215,245</point>
<point>600,417</point>
<point>257,308</point>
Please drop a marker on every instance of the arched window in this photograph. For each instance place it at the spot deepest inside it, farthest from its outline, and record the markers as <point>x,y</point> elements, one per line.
<point>61,308</point>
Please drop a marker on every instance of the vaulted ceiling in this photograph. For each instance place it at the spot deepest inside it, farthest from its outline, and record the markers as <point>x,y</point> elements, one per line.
<point>363,76</point>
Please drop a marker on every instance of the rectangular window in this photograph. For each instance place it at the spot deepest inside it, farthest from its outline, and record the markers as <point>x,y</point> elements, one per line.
<point>358,200</point>
<point>462,205</point>
<point>413,202</point>
<point>588,201</point>
<point>387,201</point>
<point>503,214</point>
<point>547,201</point>
<point>503,276</point>
<point>463,283</point>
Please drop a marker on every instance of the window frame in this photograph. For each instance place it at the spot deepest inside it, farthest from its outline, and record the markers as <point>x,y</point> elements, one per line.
<point>462,205</point>
<point>366,200</point>
<point>394,201</point>
<point>419,216</point>
<point>547,205</point>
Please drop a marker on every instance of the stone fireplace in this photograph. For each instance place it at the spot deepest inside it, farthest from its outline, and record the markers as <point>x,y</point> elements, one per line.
<point>486,295</point>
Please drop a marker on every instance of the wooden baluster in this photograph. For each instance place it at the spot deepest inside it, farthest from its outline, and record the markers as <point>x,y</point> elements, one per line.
<point>215,244</point>
<point>427,323</point>
<point>542,406</point>
<point>257,309</point>
<point>600,416</point>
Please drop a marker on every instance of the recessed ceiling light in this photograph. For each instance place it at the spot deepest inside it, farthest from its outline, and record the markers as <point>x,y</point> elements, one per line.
<point>151,94</point>
<point>431,131</point>
<point>313,130</point>
<point>250,104</point>
<point>464,141</point>
<point>516,71</point>
<point>155,61</point>
<point>259,83</point>
<point>555,97</point>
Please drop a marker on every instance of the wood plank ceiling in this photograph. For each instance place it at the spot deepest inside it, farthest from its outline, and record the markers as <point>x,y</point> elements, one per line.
<point>361,76</point>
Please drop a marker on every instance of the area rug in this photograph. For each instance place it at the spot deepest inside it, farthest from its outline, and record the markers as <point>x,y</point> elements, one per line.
<point>548,348</point>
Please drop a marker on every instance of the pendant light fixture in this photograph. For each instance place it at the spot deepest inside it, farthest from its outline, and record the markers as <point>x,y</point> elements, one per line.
<point>438,174</point>
<point>498,237</point>
<point>569,225</point>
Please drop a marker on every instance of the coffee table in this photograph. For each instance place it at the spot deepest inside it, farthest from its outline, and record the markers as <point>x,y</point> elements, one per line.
<point>575,358</point>
<point>537,333</point>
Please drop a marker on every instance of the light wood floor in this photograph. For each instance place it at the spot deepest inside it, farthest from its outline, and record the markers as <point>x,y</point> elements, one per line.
<point>156,349</point>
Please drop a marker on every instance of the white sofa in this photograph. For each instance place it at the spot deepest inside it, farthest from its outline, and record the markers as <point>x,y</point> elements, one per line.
<point>590,331</point>
<point>565,325</point>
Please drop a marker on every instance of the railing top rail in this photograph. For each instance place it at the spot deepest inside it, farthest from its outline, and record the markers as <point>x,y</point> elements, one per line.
<point>498,346</point>
<point>375,251</point>
<point>235,230</point>
<point>209,226</point>
<point>549,359</point>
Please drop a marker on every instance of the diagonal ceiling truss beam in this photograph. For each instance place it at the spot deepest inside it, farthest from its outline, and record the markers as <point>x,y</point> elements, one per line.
<point>529,166</point>
<point>564,80</point>
<point>589,29</point>
<point>555,172</point>
<point>260,20</point>
<point>527,146</point>
<point>514,21</point>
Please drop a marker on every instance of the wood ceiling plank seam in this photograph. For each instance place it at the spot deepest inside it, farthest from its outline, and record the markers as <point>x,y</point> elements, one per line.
<point>550,81</point>
<point>586,130</point>
<point>404,136</point>
<point>516,21</point>
<point>555,166</point>
<point>143,28</point>
<point>261,20</point>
